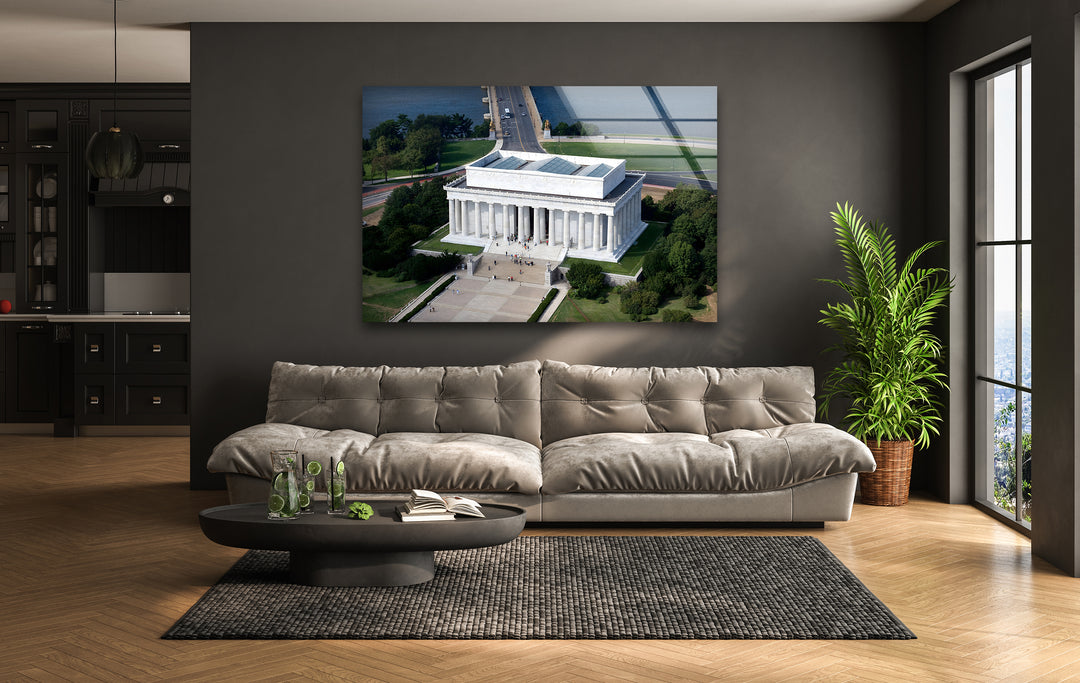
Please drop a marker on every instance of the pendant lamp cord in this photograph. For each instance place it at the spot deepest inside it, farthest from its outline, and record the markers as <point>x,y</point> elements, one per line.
<point>114,63</point>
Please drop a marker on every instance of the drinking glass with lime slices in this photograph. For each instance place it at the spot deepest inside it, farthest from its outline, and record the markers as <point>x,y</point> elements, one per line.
<point>309,476</point>
<point>284,500</point>
<point>335,488</point>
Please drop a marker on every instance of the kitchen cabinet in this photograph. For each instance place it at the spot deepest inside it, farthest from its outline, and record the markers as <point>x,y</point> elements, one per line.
<point>41,235</point>
<point>132,373</point>
<point>41,126</point>
<point>3,372</point>
<point>31,372</point>
<point>163,125</point>
<point>7,207</point>
<point>7,127</point>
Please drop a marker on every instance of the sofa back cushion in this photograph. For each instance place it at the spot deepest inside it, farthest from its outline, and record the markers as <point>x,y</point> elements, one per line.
<point>492,399</point>
<point>590,399</point>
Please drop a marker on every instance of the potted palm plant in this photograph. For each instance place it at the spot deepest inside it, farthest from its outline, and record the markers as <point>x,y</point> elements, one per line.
<point>891,366</point>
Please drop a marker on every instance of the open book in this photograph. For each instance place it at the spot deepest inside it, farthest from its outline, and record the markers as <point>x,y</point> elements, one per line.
<point>428,505</point>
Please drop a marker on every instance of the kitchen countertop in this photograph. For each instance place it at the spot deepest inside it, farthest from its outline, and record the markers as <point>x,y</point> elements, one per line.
<point>93,318</point>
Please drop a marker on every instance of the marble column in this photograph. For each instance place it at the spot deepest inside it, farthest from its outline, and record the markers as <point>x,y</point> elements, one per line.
<point>475,219</point>
<point>519,219</point>
<point>597,231</point>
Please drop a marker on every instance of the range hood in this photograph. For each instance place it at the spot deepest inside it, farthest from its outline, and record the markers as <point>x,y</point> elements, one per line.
<point>160,183</point>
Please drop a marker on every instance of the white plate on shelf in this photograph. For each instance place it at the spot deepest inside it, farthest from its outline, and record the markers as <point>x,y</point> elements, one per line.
<point>46,187</point>
<point>50,251</point>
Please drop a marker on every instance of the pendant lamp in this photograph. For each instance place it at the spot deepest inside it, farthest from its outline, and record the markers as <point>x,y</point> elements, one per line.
<point>114,153</point>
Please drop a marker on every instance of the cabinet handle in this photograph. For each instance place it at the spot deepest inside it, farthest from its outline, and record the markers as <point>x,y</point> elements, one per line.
<point>156,400</point>
<point>156,348</point>
<point>41,308</point>
<point>168,146</point>
<point>41,146</point>
<point>94,348</point>
<point>94,400</point>
<point>31,327</point>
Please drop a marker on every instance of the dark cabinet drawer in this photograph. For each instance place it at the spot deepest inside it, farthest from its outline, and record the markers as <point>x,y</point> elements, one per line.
<point>95,399</point>
<point>152,400</point>
<point>95,350</point>
<point>153,348</point>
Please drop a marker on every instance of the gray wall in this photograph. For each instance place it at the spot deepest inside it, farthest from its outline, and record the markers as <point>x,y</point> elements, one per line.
<point>960,39</point>
<point>809,115</point>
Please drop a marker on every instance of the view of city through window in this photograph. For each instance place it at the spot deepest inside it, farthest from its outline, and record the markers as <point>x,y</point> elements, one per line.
<point>1003,292</point>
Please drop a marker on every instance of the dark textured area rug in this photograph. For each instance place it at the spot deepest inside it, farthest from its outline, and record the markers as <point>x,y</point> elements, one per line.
<point>565,587</point>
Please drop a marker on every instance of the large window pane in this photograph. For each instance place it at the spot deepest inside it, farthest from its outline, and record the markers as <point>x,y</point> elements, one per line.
<point>1004,453</point>
<point>1025,151</point>
<point>1025,447</point>
<point>1003,156</point>
<point>1002,270</point>
<point>1025,316</point>
<point>1002,308</point>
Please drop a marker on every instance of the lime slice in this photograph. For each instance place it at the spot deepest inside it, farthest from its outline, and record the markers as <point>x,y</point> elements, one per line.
<point>314,468</point>
<point>305,500</point>
<point>309,485</point>
<point>281,482</point>
<point>338,489</point>
<point>276,503</point>
<point>340,467</point>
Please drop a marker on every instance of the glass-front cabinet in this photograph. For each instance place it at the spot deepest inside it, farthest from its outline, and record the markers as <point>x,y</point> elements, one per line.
<point>41,258</point>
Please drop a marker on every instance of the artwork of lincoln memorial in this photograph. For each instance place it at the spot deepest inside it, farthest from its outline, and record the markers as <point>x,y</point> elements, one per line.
<point>588,206</point>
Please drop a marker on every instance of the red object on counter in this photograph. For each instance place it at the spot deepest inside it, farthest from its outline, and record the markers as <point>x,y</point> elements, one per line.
<point>5,306</point>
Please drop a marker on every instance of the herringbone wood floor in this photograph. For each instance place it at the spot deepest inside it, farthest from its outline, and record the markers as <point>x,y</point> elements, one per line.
<point>102,553</point>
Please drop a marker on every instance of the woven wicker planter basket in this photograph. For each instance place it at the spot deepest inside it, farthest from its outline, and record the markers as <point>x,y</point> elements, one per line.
<point>889,484</point>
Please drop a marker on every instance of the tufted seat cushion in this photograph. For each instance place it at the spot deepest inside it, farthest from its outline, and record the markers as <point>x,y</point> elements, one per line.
<point>793,454</point>
<point>667,461</point>
<point>402,461</point>
<point>737,461</point>
<point>248,450</point>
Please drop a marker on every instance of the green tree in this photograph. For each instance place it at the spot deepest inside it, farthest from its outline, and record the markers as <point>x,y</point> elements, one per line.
<point>412,159</point>
<point>676,315</point>
<point>388,129</point>
<point>685,260</point>
<point>423,143</point>
<point>1005,463</point>
<point>381,164</point>
<point>587,279</point>
<point>637,302</point>
<point>481,130</point>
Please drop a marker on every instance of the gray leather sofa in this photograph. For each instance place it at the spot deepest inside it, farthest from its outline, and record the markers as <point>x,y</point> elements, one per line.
<point>569,443</point>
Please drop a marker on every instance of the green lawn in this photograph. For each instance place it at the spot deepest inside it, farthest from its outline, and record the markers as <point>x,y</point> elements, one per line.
<point>460,152</point>
<point>587,310</point>
<point>641,157</point>
<point>433,243</point>
<point>454,153</point>
<point>630,263</point>
<point>385,296</point>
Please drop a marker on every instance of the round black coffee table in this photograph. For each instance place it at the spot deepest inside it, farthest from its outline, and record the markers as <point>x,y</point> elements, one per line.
<point>326,550</point>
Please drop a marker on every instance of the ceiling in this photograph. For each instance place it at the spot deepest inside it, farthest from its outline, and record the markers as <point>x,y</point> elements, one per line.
<point>70,41</point>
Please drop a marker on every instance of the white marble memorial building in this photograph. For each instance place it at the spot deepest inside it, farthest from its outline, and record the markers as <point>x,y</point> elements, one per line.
<point>589,205</point>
